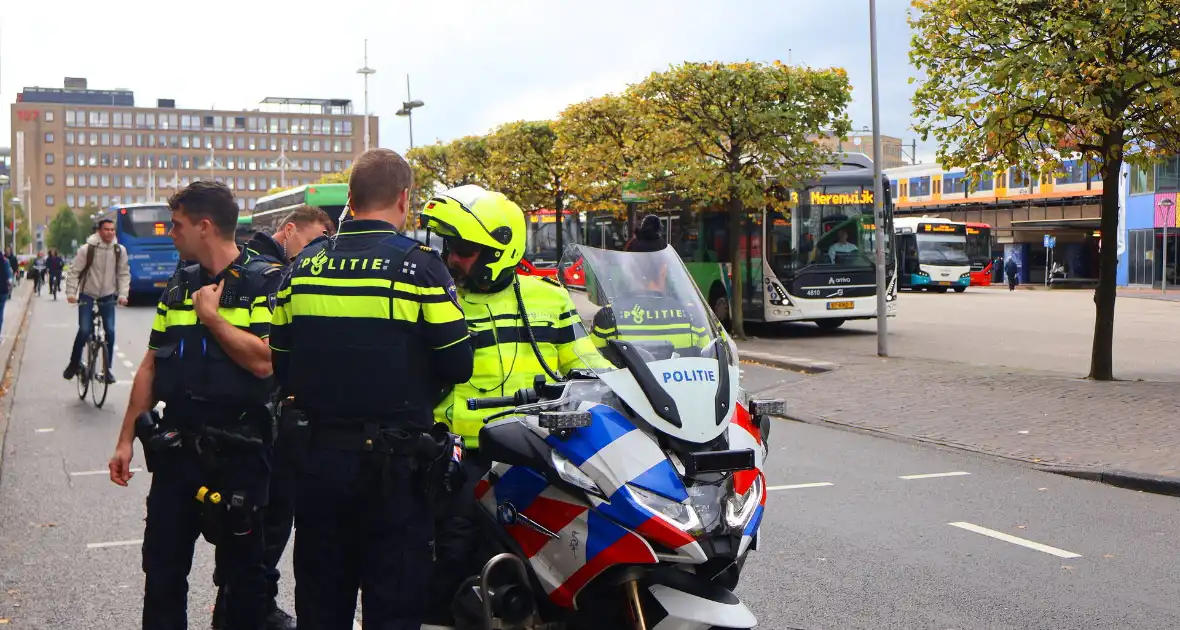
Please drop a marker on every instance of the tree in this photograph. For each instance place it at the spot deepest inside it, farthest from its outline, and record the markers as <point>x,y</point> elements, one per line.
<point>64,229</point>
<point>524,162</point>
<point>14,207</point>
<point>1013,82</point>
<point>608,142</point>
<point>744,126</point>
<point>334,178</point>
<point>457,163</point>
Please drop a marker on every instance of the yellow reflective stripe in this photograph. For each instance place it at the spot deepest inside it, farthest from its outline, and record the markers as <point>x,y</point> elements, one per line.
<point>455,342</point>
<point>359,306</point>
<point>260,314</point>
<point>239,317</point>
<point>406,287</point>
<point>160,323</point>
<point>277,349</point>
<point>282,315</point>
<point>284,293</point>
<point>440,312</point>
<point>335,282</point>
<point>180,318</point>
<point>406,310</point>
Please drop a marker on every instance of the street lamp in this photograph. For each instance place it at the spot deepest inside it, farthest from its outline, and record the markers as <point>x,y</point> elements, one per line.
<point>3,184</point>
<point>408,108</point>
<point>878,219</point>
<point>366,71</point>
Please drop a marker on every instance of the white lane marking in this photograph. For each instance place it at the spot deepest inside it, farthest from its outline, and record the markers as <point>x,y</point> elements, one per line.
<point>120,355</point>
<point>799,486</point>
<point>117,543</point>
<point>45,430</point>
<point>85,473</point>
<point>1060,553</point>
<point>127,363</point>
<point>933,475</point>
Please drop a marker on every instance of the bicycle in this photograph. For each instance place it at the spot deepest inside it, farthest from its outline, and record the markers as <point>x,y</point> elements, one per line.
<point>89,378</point>
<point>54,285</point>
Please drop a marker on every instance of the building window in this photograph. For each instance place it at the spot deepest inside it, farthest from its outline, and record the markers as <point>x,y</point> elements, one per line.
<point>306,144</point>
<point>105,140</point>
<point>239,123</point>
<point>315,165</point>
<point>126,181</point>
<point>69,159</point>
<point>94,139</point>
<point>253,183</point>
<point>104,181</point>
<point>117,140</point>
<point>208,142</point>
<point>229,143</point>
<point>338,166</point>
<point>48,136</point>
<point>106,200</point>
<point>284,125</point>
<point>218,143</point>
<point>48,116</point>
<point>1167,175</point>
<point>71,118</point>
<point>348,146</point>
<point>92,159</point>
<point>49,200</point>
<point>184,142</point>
<point>105,159</point>
<point>69,180</point>
<point>274,125</point>
<point>49,179</point>
<point>241,163</point>
<point>49,158</point>
<point>70,200</point>
<point>315,146</point>
<point>93,180</point>
<point>348,127</point>
<point>274,183</point>
<point>69,137</point>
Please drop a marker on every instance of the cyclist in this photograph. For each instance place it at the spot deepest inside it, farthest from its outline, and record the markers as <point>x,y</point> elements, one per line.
<point>37,271</point>
<point>13,265</point>
<point>99,273</point>
<point>54,263</point>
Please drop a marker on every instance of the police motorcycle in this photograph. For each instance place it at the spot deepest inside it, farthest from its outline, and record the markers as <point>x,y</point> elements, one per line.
<point>629,494</point>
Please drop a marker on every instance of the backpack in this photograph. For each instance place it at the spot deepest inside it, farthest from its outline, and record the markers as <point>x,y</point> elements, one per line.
<point>90,261</point>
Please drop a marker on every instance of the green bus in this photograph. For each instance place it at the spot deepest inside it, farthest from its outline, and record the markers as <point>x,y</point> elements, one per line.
<point>272,209</point>
<point>812,261</point>
<point>244,231</point>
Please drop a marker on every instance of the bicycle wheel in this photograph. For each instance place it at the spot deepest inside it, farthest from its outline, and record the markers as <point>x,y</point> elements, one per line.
<point>83,377</point>
<point>98,373</point>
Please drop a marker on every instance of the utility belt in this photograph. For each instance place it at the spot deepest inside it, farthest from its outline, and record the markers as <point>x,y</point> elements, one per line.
<point>250,432</point>
<point>436,454</point>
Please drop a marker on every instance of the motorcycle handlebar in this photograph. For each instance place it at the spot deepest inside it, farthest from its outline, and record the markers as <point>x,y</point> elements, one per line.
<point>490,403</point>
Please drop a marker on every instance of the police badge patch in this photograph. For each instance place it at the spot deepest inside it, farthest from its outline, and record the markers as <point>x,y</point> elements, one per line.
<point>453,293</point>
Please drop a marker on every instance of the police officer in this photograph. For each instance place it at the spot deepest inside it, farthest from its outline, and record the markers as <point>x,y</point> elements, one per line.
<point>299,228</point>
<point>367,330</point>
<point>208,361</point>
<point>484,240</point>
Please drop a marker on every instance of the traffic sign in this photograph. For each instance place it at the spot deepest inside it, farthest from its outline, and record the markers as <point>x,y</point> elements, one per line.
<point>1047,237</point>
<point>1052,242</point>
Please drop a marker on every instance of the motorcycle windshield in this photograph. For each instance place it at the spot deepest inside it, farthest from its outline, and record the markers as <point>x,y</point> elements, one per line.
<point>653,339</point>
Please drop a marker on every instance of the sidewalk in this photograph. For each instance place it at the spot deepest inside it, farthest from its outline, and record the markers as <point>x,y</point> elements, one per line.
<point>1038,417</point>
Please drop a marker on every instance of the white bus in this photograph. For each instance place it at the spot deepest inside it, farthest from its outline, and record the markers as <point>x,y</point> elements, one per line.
<point>932,254</point>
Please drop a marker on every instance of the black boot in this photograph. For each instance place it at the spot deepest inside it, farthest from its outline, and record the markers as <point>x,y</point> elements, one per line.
<point>278,619</point>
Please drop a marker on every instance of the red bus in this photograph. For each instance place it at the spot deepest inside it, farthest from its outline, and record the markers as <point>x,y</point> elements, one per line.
<point>541,255</point>
<point>979,250</point>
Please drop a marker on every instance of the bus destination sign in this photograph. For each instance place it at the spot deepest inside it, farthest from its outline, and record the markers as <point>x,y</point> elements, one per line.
<point>841,199</point>
<point>942,228</point>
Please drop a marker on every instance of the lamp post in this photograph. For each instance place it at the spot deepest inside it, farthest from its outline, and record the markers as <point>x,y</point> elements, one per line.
<point>878,219</point>
<point>408,108</point>
<point>365,72</point>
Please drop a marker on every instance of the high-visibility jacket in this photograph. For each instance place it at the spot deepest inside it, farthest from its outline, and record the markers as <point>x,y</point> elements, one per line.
<point>504,359</point>
<point>649,318</point>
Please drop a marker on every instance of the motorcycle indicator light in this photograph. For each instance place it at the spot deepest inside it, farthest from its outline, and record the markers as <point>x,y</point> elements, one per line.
<point>558,420</point>
<point>768,407</point>
<point>740,509</point>
<point>572,475</point>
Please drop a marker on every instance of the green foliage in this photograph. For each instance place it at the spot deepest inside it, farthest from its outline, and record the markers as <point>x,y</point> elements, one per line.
<point>1014,82</point>
<point>442,166</point>
<point>332,178</point>
<point>744,128</point>
<point>525,164</point>
<point>64,229</point>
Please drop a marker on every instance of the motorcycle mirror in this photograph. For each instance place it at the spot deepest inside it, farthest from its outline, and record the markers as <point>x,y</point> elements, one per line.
<point>767,407</point>
<point>563,420</point>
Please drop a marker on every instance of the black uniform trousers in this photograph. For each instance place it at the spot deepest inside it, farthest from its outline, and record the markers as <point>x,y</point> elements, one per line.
<point>362,521</point>
<point>174,522</point>
<point>277,521</point>
<point>458,541</point>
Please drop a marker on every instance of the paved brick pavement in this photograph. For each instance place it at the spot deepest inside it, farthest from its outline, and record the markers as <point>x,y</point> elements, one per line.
<point>1033,416</point>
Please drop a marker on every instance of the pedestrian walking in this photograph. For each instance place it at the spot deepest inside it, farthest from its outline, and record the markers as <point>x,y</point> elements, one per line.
<point>1012,269</point>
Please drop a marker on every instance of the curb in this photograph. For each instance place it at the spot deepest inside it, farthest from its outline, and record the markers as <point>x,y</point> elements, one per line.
<point>11,358</point>
<point>1155,484</point>
<point>795,364</point>
<point>1141,482</point>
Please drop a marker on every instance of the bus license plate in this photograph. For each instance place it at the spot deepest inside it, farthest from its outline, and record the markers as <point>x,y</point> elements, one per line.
<point>945,284</point>
<point>837,306</point>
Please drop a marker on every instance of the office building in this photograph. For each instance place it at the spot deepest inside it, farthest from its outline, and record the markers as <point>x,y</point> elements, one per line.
<point>78,147</point>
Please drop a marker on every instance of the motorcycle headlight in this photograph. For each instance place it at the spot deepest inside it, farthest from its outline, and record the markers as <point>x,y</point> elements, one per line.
<point>572,474</point>
<point>740,509</point>
<point>680,515</point>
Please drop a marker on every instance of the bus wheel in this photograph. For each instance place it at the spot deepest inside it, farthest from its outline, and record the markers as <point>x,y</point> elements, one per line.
<point>830,323</point>
<point>960,289</point>
<point>720,303</point>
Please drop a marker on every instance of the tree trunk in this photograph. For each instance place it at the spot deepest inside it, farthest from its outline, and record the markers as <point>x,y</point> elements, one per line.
<point>736,315</point>
<point>1102,353</point>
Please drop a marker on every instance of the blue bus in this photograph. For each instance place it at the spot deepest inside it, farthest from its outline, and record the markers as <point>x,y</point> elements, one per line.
<point>143,229</point>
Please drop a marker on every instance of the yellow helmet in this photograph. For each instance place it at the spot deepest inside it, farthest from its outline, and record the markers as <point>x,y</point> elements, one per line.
<point>486,218</point>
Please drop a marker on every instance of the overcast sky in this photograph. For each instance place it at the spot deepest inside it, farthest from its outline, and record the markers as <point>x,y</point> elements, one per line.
<point>475,64</point>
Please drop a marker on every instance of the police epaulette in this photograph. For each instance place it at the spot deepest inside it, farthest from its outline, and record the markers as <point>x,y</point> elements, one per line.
<point>551,280</point>
<point>425,248</point>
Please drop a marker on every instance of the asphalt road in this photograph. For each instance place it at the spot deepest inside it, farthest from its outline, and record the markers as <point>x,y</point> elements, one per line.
<point>870,550</point>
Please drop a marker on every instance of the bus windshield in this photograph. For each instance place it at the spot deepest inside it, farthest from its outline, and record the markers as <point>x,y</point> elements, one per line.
<point>940,249</point>
<point>147,221</point>
<point>831,225</point>
<point>979,248</point>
